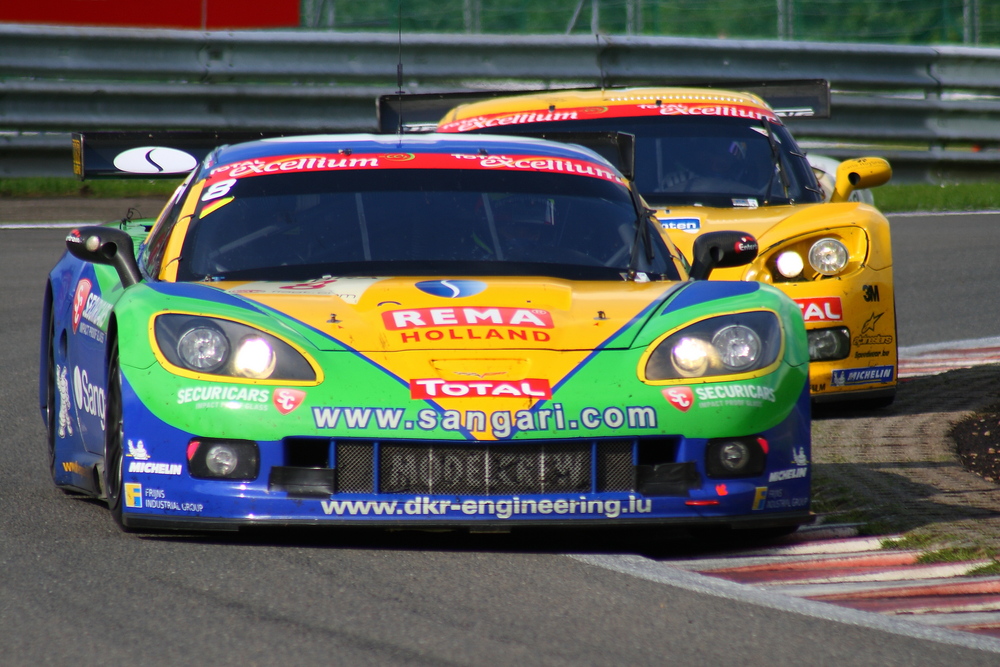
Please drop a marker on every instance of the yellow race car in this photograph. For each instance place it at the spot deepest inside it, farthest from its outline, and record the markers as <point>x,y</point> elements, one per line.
<point>709,159</point>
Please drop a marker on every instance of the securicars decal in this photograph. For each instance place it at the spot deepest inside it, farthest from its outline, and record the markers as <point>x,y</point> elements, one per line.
<point>229,396</point>
<point>90,312</point>
<point>731,395</point>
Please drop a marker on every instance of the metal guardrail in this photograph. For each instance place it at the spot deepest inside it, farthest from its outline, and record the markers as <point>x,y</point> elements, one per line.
<point>927,100</point>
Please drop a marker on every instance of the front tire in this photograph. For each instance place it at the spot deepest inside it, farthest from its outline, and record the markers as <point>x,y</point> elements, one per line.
<point>113,438</point>
<point>51,411</point>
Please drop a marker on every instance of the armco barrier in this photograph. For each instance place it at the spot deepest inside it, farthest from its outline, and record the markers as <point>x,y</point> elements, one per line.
<point>932,103</point>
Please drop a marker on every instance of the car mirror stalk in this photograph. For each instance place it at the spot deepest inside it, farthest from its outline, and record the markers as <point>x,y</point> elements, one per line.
<point>721,250</point>
<point>106,245</point>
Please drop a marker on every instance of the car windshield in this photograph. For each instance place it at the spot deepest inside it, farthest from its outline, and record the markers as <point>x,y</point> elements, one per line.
<point>705,160</point>
<point>300,226</point>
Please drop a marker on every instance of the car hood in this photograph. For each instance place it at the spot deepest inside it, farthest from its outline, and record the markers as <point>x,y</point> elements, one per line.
<point>371,315</point>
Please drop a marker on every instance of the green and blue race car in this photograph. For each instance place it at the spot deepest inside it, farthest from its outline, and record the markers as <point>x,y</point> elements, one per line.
<point>428,330</point>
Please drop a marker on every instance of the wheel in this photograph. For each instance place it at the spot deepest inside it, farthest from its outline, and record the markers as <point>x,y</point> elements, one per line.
<point>51,412</point>
<point>113,437</point>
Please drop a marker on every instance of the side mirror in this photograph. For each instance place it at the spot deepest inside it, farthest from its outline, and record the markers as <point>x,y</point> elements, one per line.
<point>106,245</point>
<point>859,174</point>
<point>721,250</point>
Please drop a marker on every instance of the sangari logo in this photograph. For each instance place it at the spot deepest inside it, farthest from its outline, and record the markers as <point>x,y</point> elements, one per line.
<point>469,323</point>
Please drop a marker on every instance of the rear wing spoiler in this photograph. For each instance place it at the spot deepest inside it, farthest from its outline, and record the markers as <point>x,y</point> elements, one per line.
<point>420,112</point>
<point>175,154</point>
<point>147,154</point>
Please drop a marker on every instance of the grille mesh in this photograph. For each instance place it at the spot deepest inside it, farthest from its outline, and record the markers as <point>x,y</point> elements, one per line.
<point>458,469</point>
<point>614,466</point>
<point>355,467</point>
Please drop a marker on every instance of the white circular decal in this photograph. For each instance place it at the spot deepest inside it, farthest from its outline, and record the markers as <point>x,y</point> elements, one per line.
<point>155,160</point>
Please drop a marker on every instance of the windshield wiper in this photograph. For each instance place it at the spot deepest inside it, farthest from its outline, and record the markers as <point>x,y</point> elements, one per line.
<point>641,235</point>
<point>775,165</point>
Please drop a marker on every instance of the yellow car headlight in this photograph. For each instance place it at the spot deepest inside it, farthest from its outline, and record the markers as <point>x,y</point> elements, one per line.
<point>828,256</point>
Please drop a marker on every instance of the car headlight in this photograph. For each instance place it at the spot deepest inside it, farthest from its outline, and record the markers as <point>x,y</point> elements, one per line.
<point>216,346</point>
<point>790,264</point>
<point>722,345</point>
<point>828,256</point>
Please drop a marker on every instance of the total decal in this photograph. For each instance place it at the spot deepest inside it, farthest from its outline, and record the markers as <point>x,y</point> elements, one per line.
<point>434,388</point>
<point>469,323</point>
<point>90,312</point>
<point>821,309</point>
<point>728,395</point>
<point>499,424</point>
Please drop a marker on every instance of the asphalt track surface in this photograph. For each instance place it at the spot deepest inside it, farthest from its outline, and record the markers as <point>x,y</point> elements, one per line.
<point>73,588</point>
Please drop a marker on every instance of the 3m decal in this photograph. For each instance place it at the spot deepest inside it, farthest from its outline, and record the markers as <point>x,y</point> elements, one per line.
<point>821,309</point>
<point>869,293</point>
<point>438,388</point>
